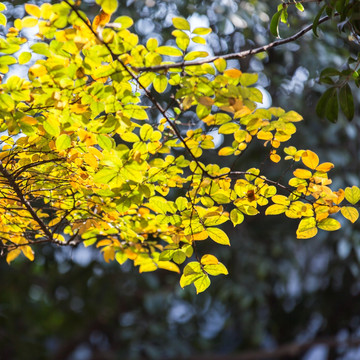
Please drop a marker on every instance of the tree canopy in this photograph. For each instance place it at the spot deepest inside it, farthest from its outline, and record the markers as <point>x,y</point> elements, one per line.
<point>105,141</point>
<point>70,304</point>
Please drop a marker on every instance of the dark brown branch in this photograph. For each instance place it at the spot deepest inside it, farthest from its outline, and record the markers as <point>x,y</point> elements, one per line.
<point>232,56</point>
<point>147,92</point>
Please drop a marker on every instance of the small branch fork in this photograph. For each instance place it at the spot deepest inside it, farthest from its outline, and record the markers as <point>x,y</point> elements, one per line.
<point>12,182</point>
<point>135,78</point>
<point>239,55</point>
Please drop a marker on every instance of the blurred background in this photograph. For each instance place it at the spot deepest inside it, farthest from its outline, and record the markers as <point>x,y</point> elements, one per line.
<point>70,305</point>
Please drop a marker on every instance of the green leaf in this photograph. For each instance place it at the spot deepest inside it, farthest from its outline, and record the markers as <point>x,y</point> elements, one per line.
<point>52,127</point>
<point>274,24</point>
<point>316,20</point>
<point>63,142</point>
<point>347,101</point>
<point>218,236</point>
<point>109,6</point>
<point>41,49</point>
<point>228,128</point>
<point>6,102</point>
<point>248,79</point>
<point>299,6</point>
<point>169,51</point>
<point>181,23</point>
<point>105,142</point>
<point>332,107</point>
<point>323,101</point>
<point>329,224</point>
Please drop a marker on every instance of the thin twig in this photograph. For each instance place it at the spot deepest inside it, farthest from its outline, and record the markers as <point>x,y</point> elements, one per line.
<point>232,56</point>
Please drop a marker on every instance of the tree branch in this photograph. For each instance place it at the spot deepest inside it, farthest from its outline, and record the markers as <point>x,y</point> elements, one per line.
<point>232,56</point>
<point>13,184</point>
<point>147,92</point>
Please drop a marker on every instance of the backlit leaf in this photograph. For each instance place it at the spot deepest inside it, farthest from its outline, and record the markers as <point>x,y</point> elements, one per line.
<point>109,6</point>
<point>329,224</point>
<point>218,236</point>
<point>63,142</point>
<point>33,10</point>
<point>202,283</point>
<point>352,195</point>
<point>310,159</point>
<point>350,213</point>
<point>180,23</point>
<point>169,51</point>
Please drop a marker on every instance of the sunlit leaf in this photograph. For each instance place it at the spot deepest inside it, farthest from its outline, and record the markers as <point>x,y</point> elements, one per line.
<point>350,213</point>
<point>352,195</point>
<point>218,236</point>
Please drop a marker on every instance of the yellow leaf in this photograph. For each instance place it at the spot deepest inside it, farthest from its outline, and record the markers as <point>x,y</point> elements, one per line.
<point>325,167</point>
<point>109,6</point>
<point>275,209</point>
<point>91,160</point>
<point>202,283</point>
<point>100,20</point>
<point>310,159</point>
<point>160,83</point>
<point>203,235</point>
<point>350,213</point>
<point>209,260</point>
<point>306,234</point>
<point>329,224</point>
<point>54,221</point>
<point>302,174</point>
<point>151,266</point>
<point>169,51</point>
<point>167,265</point>
<point>275,157</point>
<point>226,151</point>
<point>37,70</point>
<point>181,23</point>
<point>24,57</point>
<point>218,236</point>
<point>29,22</point>
<point>12,255</point>
<point>233,73</point>
<point>33,10</point>
<point>120,257</point>
<point>280,199</point>
<point>307,228</point>
<point>216,269</point>
<point>109,253</point>
<point>28,252</point>
<point>220,64</point>
<point>352,195</point>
